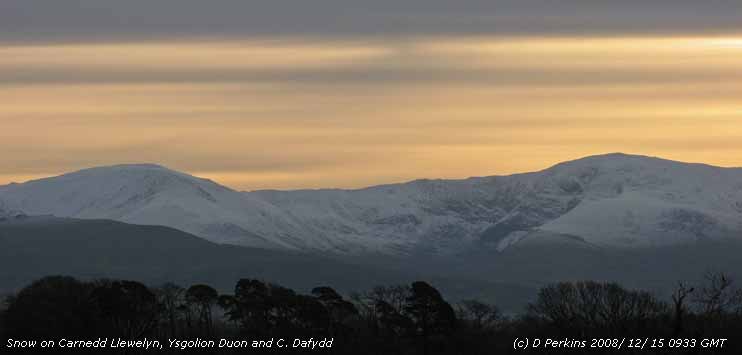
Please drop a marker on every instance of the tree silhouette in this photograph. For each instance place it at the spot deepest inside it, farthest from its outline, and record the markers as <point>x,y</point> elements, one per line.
<point>203,297</point>
<point>679,306</point>
<point>430,313</point>
<point>129,307</point>
<point>250,306</point>
<point>422,323</point>
<point>717,296</point>
<point>593,305</point>
<point>51,306</point>
<point>391,322</point>
<point>340,310</point>
<point>481,315</point>
<point>171,297</point>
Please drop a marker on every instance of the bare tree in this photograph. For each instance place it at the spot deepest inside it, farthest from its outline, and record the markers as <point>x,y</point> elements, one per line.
<point>481,315</point>
<point>678,300</point>
<point>716,297</point>
<point>395,296</point>
<point>392,296</point>
<point>204,297</point>
<point>171,298</point>
<point>595,305</point>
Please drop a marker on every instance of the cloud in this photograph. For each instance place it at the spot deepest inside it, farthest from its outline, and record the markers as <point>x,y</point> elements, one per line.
<point>142,19</point>
<point>324,112</point>
<point>534,61</point>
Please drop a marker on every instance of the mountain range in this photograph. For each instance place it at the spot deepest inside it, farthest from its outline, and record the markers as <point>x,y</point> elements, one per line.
<point>613,201</point>
<point>644,222</point>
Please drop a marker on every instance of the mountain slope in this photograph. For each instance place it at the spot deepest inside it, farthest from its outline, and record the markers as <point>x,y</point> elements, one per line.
<point>33,247</point>
<point>7,212</point>
<point>632,200</point>
<point>151,195</point>
<point>611,200</point>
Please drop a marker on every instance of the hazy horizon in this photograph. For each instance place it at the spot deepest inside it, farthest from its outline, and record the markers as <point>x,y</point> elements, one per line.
<point>199,175</point>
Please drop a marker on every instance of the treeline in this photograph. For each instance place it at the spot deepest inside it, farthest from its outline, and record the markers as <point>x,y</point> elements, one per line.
<point>404,319</point>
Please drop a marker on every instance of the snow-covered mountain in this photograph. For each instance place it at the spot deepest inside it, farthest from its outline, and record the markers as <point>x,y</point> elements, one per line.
<point>611,200</point>
<point>153,195</point>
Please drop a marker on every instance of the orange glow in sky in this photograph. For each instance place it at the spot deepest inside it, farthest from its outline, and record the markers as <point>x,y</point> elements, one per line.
<point>298,113</point>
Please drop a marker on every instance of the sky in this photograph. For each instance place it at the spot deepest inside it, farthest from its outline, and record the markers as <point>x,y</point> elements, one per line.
<point>329,93</point>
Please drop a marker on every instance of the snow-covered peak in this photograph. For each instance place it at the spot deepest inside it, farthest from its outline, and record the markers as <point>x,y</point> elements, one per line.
<point>149,194</point>
<point>614,174</point>
<point>636,200</point>
<point>625,164</point>
<point>607,200</point>
<point>123,188</point>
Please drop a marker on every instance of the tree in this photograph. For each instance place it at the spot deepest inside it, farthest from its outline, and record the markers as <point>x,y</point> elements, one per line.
<point>717,296</point>
<point>391,322</point>
<point>596,306</point>
<point>52,306</point>
<point>395,296</point>
<point>310,316</point>
<point>203,297</point>
<point>481,315</point>
<point>250,306</point>
<point>227,303</point>
<point>430,313</point>
<point>557,304</point>
<point>129,307</point>
<point>171,298</point>
<point>392,298</point>
<point>678,300</point>
<point>282,309</point>
<point>340,310</point>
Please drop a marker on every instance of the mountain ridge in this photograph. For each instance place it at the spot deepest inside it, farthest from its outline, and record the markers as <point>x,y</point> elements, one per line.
<point>610,200</point>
